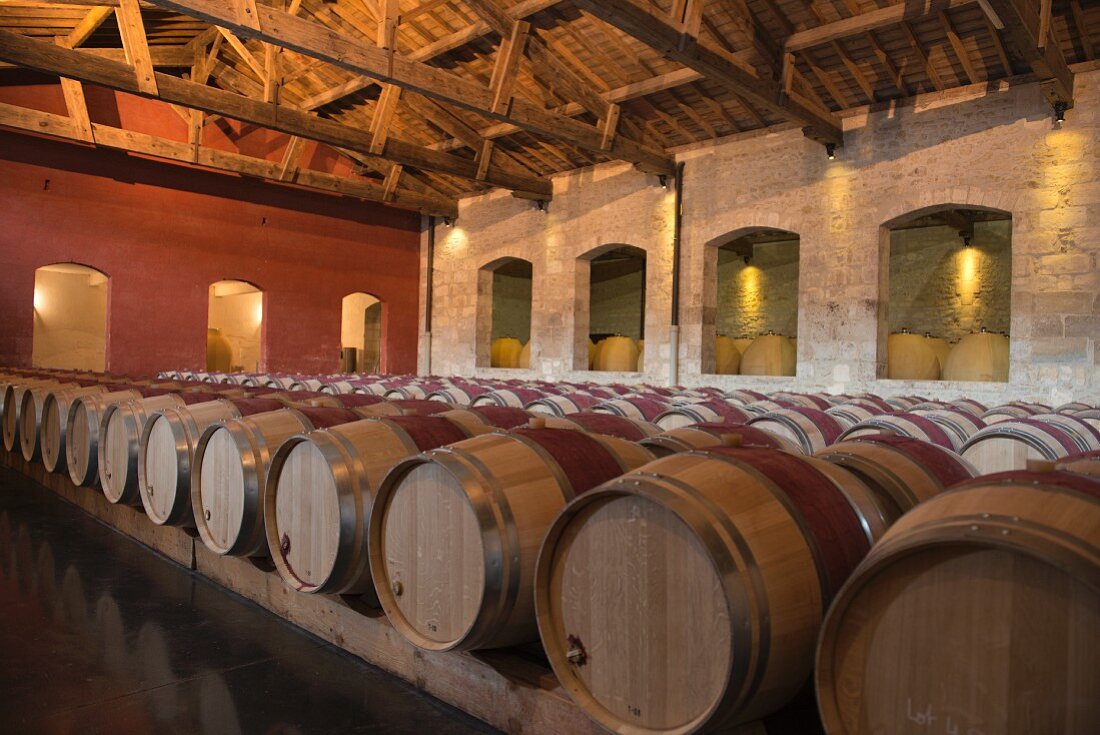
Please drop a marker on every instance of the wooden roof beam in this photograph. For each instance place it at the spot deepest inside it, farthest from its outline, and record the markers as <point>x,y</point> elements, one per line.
<point>58,126</point>
<point>668,38</point>
<point>1021,22</point>
<point>318,41</point>
<point>88,25</point>
<point>46,57</point>
<point>856,24</point>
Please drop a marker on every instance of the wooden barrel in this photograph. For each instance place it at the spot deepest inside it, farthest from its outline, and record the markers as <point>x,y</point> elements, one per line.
<point>119,439</point>
<point>487,417</point>
<point>457,395</point>
<point>412,390</point>
<point>516,397</point>
<point>687,597</point>
<point>904,472</point>
<point>55,423</point>
<point>13,404</point>
<point>911,425</point>
<point>941,348</point>
<point>727,358</point>
<point>805,400</point>
<point>851,413</point>
<point>769,354</point>
<point>230,469</point>
<point>1086,463</point>
<point>320,491</point>
<point>978,611</point>
<point>645,409</point>
<point>904,403</point>
<point>714,434</point>
<point>1072,407</point>
<point>910,357</point>
<point>711,411</point>
<point>617,354</point>
<point>811,430</point>
<point>980,356</point>
<point>759,408</point>
<point>311,384</point>
<point>623,427</point>
<point>744,397</point>
<point>1008,412</point>
<point>960,425</point>
<point>1010,445</point>
<point>970,405</point>
<point>455,531</point>
<point>166,453</point>
<point>32,410</point>
<point>562,405</point>
<point>82,433</point>
<point>1092,416</point>
<point>1086,436</point>
<point>524,360</point>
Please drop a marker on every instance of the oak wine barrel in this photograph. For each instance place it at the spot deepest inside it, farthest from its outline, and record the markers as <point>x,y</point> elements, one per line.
<point>230,471</point>
<point>979,356</point>
<point>769,354</point>
<point>82,432</point>
<point>623,427</point>
<point>646,409</point>
<point>978,611</point>
<point>903,471</point>
<point>744,397</point>
<point>55,423</point>
<point>711,434</point>
<point>910,357</point>
<point>488,417</point>
<point>853,412</point>
<point>562,405</point>
<point>911,425</point>
<point>320,492</point>
<point>959,424</point>
<point>727,358</point>
<point>1009,412</point>
<point>904,403</point>
<point>617,354</point>
<point>809,429</point>
<point>1086,463</point>
<point>710,411</point>
<point>166,453</point>
<point>455,532</point>
<point>1010,445</point>
<point>13,404</point>
<point>1084,434</point>
<point>517,397</point>
<point>33,412</point>
<point>456,395</point>
<point>687,596</point>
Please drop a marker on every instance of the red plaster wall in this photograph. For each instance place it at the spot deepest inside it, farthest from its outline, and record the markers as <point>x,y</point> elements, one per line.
<point>164,232</point>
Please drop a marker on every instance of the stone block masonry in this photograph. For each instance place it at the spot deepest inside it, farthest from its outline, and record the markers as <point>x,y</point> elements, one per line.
<point>970,148</point>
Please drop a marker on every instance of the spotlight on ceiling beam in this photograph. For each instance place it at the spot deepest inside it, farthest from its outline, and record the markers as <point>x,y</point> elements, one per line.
<point>540,204</point>
<point>664,180</point>
<point>449,221</point>
<point>830,151</point>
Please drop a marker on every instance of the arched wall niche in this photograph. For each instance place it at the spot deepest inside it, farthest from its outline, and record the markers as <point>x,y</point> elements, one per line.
<point>71,305</point>
<point>611,293</point>
<point>235,326</point>
<point>504,304</point>
<point>362,333</point>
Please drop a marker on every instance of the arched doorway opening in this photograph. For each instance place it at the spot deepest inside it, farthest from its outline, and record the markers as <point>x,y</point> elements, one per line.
<point>504,294</point>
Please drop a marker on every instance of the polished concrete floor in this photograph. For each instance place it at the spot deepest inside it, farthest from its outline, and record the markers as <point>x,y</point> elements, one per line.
<point>100,635</point>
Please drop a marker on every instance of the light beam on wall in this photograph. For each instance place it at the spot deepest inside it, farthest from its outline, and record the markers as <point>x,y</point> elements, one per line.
<point>39,300</point>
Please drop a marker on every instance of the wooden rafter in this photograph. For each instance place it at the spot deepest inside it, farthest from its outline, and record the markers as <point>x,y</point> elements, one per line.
<point>856,24</point>
<point>50,59</point>
<point>88,25</point>
<point>134,43</point>
<point>1021,23</point>
<point>44,123</point>
<point>715,64</point>
<point>321,42</point>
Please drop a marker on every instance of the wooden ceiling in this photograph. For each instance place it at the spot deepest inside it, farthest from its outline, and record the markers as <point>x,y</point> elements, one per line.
<point>438,99</point>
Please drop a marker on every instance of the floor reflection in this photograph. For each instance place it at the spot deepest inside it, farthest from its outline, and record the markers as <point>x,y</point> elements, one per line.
<point>101,635</point>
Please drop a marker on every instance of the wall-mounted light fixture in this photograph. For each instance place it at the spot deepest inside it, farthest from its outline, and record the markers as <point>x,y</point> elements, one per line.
<point>449,221</point>
<point>540,204</point>
<point>830,151</point>
<point>1060,113</point>
<point>663,180</point>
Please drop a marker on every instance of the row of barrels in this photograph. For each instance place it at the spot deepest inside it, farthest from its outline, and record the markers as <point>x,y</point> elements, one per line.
<point>665,602</point>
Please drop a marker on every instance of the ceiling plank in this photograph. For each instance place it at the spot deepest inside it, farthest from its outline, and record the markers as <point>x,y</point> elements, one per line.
<point>959,48</point>
<point>892,15</point>
<point>715,64</point>
<point>75,103</point>
<point>321,42</point>
<point>46,57</point>
<point>44,123</point>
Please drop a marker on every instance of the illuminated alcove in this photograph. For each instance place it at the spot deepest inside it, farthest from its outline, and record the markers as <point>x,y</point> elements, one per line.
<point>70,317</point>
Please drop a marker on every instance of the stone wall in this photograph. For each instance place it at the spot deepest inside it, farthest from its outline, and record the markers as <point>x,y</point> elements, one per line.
<point>978,147</point>
<point>511,307</point>
<point>940,287</point>
<point>761,295</point>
